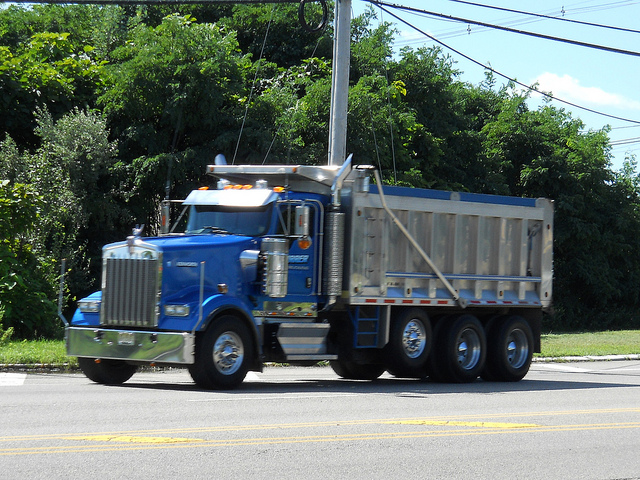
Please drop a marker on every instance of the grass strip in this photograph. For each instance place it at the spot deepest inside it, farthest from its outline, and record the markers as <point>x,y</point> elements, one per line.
<point>36,352</point>
<point>623,342</point>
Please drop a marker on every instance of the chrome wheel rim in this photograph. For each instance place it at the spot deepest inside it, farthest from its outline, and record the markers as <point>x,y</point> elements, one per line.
<point>228,353</point>
<point>469,349</point>
<point>414,338</point>
<point>517,348</point>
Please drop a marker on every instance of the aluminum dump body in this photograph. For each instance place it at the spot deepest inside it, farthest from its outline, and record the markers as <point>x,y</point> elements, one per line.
<point>493,250</point>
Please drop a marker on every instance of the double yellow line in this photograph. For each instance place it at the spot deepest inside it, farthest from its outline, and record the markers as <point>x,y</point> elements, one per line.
<point>463,425</point>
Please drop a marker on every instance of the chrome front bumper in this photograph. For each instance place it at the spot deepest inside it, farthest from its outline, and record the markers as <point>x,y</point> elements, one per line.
<point>146,347</point>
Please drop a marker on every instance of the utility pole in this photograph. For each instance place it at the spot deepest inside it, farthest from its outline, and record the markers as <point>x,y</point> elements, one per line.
<point>340,83</point>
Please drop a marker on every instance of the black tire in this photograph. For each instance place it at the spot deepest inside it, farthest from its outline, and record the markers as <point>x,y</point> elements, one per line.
<point>410,341</point>
<point>106,371</point>
<point>461,353</point>
<point>509,350</point>
<point>357,371</point>
<point>433,367</point>
<point>223,354</point>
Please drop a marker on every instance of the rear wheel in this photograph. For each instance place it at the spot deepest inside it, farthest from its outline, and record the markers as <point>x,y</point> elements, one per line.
<point>510,349</point>
<point>357,371</point>
<point>409,344</point>
<point>106,371</point>
<point>461,351</point>
<point>223,355</point>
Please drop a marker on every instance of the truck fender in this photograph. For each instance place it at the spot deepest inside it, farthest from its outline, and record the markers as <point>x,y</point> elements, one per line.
<point>217,305</point>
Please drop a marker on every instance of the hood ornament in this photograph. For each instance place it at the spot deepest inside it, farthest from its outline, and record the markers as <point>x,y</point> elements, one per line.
<point>131,240</point>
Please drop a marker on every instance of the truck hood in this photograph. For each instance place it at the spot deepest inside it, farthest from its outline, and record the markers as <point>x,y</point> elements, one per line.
<point>185,258</point>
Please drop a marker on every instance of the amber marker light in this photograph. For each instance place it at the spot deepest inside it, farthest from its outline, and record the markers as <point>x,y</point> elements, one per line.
<point>304,243</point>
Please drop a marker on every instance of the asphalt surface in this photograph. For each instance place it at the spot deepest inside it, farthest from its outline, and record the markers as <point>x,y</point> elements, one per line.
<point>564,420</point>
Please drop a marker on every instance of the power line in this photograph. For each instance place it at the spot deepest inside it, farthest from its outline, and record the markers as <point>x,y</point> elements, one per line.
<point>486,67</point>
<point>506,29</point>
<point>549,17</point>
<point>567,9</point>
<point>625,141</point>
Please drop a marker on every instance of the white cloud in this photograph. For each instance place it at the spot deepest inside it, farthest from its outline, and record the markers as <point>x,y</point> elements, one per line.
<point>405,37</point>
<point>568,88</point>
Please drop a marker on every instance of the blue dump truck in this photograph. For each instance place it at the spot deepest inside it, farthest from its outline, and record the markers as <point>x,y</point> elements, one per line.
<point>303,264</point>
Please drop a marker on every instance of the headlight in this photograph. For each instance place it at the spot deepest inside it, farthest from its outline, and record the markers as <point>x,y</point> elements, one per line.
<point>89,306</point>
<point>176,310</point>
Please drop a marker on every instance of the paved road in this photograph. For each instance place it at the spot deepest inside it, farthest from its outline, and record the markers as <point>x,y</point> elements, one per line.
<point>563,421</point>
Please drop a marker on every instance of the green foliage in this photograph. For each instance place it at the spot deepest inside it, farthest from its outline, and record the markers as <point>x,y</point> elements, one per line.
<point>73,169</point>
<point>174,84</point>
<point>5,335</point>
<point>48,70</point>
<point>25,278</point>
<point>287,42</point>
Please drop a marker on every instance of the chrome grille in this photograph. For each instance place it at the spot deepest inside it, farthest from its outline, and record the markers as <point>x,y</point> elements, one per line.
<point>129,292</point>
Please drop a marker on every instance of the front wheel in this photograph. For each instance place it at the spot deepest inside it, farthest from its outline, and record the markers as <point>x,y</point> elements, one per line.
<point>223,355</point>
<point>106,371</point>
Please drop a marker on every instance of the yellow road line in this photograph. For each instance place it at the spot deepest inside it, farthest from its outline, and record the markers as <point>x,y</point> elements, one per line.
<point>468,420</point>
<point>454,423</point>
<point>126,443</point>
<point>132,439</point>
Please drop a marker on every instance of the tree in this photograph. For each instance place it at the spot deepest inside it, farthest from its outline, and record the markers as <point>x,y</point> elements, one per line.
<point>287,42</point>
<point>175,86</point>
<point>48,71</point>
<point>74,171</point>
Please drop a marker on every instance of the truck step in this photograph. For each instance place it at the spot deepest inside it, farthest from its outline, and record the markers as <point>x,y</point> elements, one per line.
<point>304,339</point>
<point>318,358</point>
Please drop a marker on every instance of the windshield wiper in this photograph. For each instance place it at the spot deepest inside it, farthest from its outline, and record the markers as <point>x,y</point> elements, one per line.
<point>212,229</point>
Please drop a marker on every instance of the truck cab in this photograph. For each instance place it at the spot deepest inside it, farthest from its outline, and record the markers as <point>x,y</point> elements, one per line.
<point>250,254</point>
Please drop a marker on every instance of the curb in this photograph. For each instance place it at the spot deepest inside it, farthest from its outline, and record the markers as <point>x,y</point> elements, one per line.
<point>587,358</point>
<point>39,367</point>
<point>67,368</point>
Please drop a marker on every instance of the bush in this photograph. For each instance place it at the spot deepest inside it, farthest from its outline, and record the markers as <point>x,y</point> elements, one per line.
<point>26,279</point>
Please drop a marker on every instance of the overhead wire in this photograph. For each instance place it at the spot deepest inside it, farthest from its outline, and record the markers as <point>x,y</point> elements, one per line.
<point>506,29</point>
<point>382,5</point>
<point>566,9</point>
<point>275,135</point>
<point>253,85</point>
<point>625,141</point>
<point>548,17</point>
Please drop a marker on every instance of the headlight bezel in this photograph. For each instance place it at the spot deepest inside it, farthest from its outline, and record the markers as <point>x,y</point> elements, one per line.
<point>89,306</point>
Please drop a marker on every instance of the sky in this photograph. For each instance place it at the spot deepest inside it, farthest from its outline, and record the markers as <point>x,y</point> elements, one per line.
<point>600,80</point>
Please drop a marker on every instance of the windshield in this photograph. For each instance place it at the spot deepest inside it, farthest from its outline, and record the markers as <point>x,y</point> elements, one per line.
<point>231,220</point>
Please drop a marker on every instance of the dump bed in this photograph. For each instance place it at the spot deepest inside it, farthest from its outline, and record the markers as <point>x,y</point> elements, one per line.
<point>491,250</point>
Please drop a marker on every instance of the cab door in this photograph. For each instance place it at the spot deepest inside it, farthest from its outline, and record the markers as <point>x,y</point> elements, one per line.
<point>299,223</point>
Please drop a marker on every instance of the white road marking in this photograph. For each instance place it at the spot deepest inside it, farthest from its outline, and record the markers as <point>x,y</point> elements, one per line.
<point>253,377</point>
<point>12,379</point>
<point>562,368</point>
